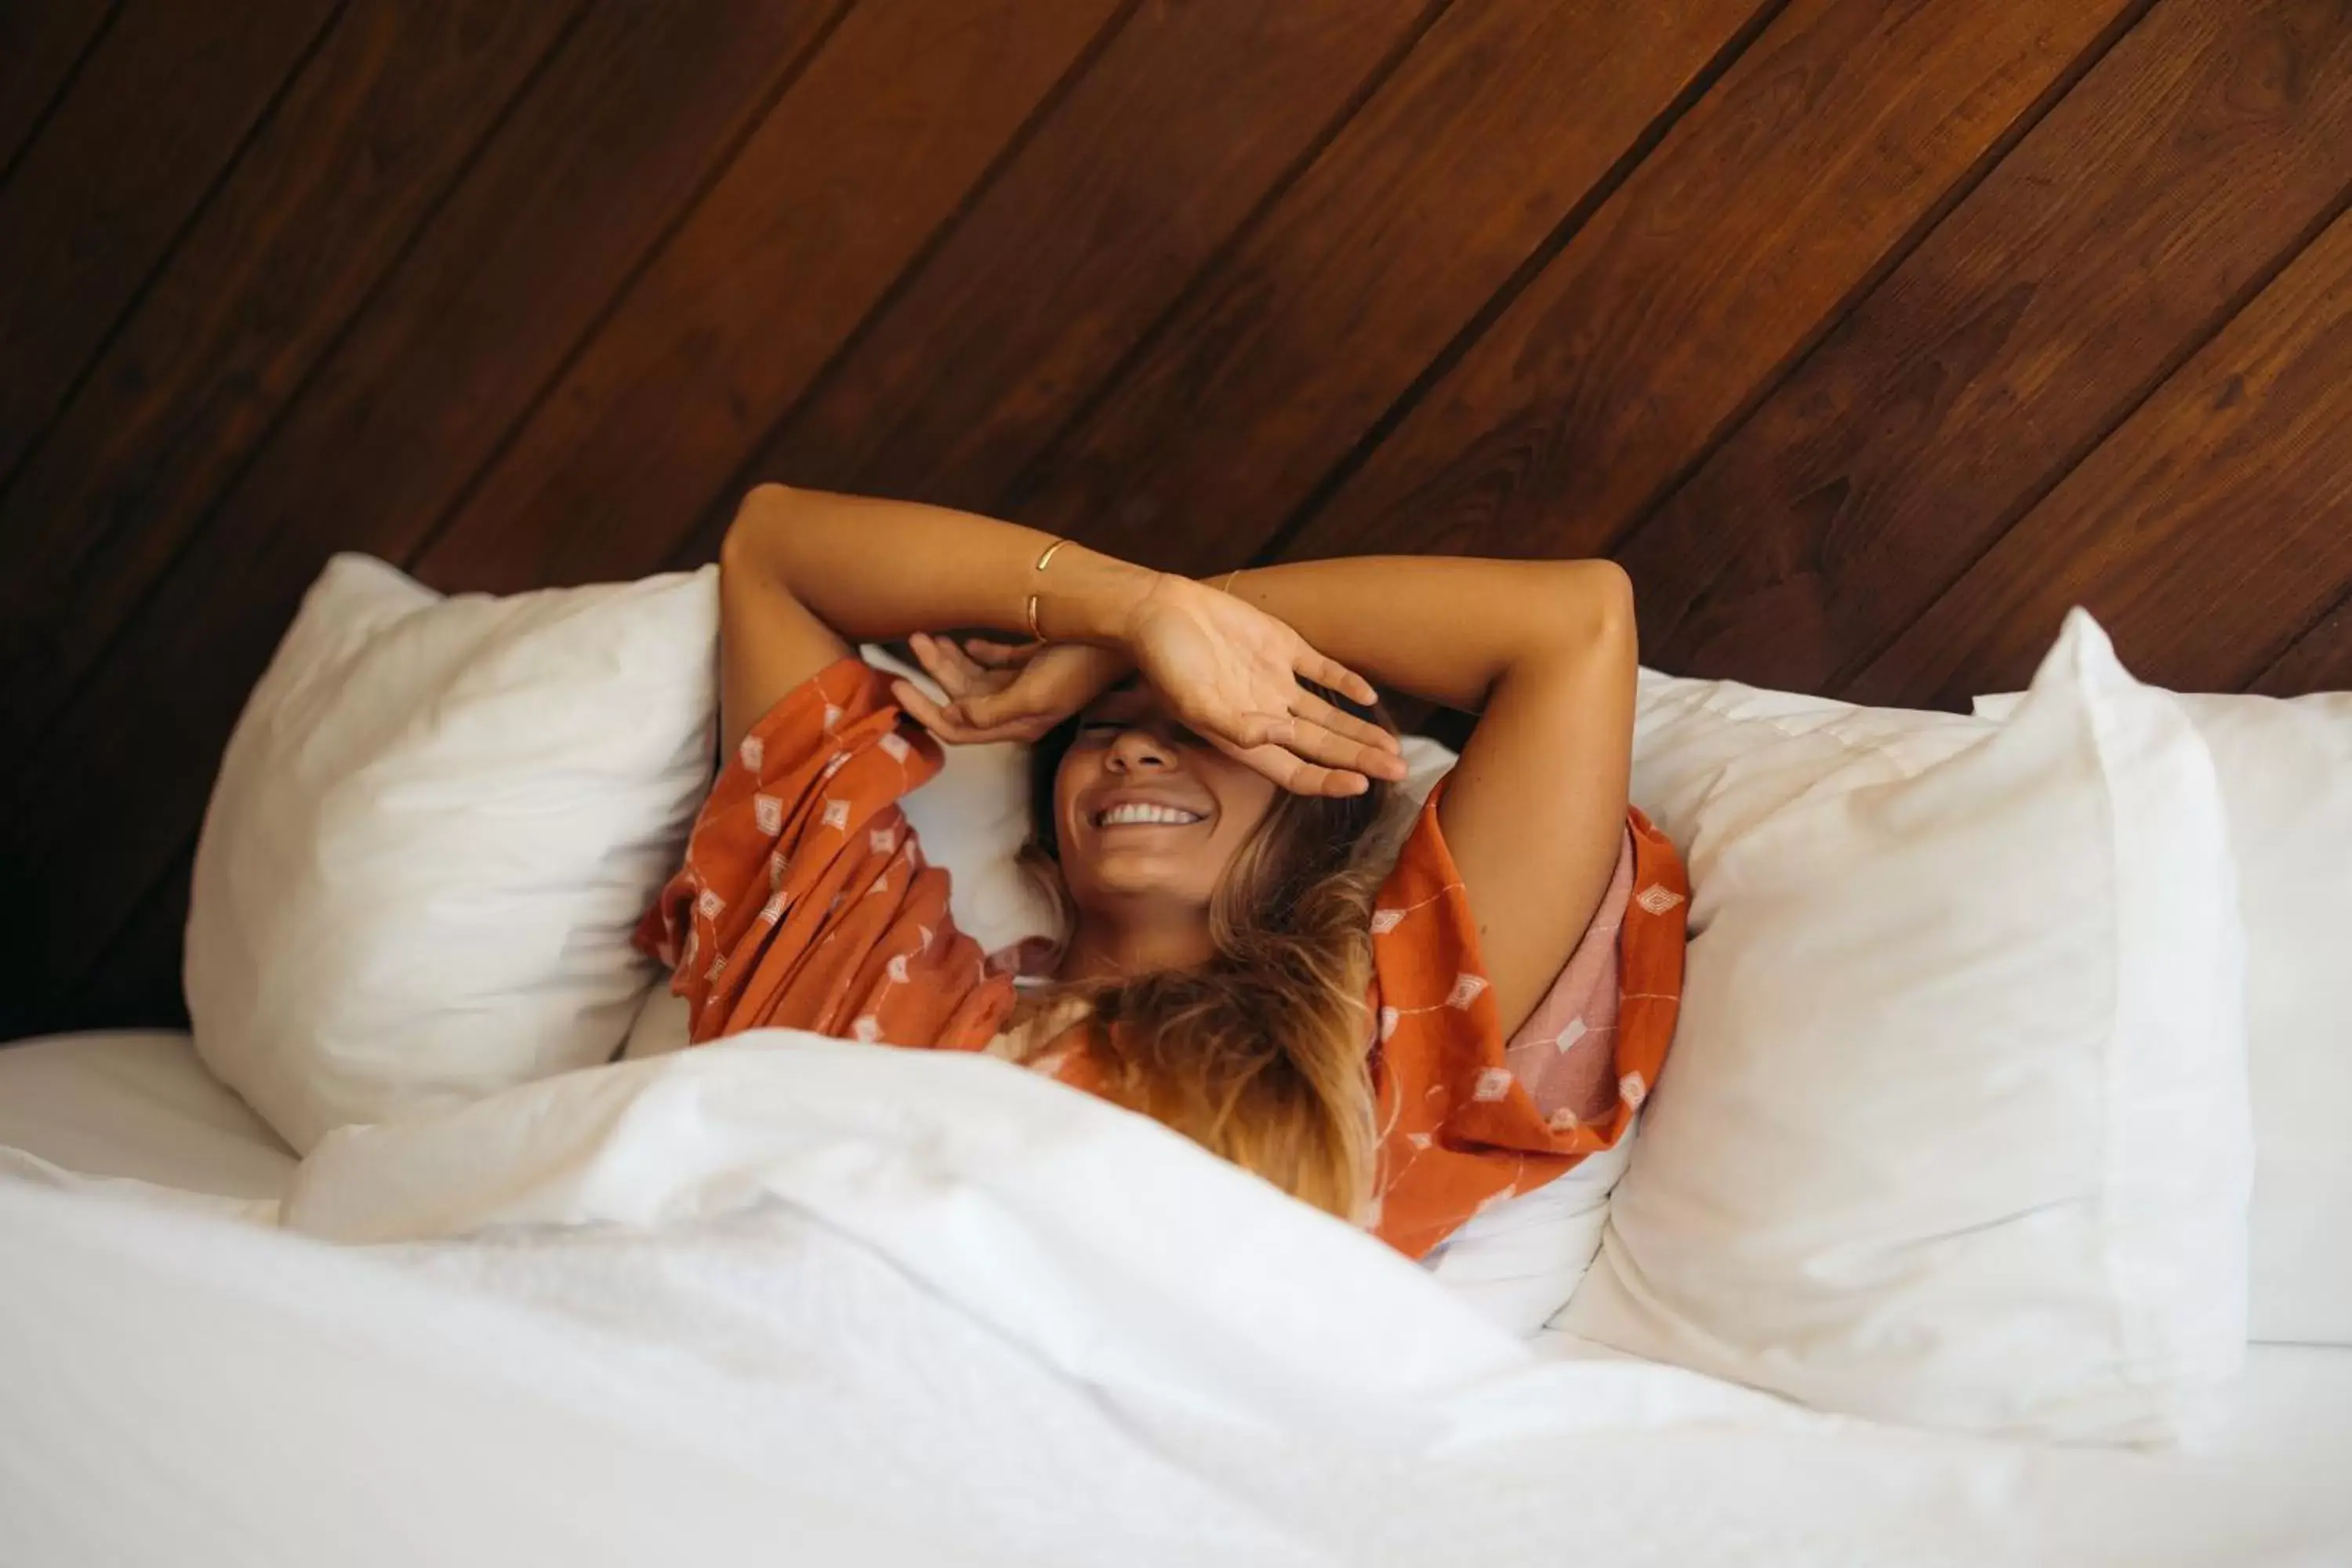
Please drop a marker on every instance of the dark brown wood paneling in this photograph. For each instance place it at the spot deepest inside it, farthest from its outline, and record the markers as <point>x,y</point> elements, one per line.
<point>2204,533</point>
<point>1733,247</point>
<point>879,145</point>
<point>41,42</point>
<point>2117,238</point>
<point>572,197</point>
<point>2320,660</point>
<point>1504,122</point>
<point>1069,257</point>
<point>310,219</point>
<point>151,121</point>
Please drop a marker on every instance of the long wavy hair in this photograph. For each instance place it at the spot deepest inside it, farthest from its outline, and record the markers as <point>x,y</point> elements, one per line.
<point>1261,1055</point>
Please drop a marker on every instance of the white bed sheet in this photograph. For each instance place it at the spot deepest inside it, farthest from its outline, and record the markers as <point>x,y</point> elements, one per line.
<point>141,1105</point>
<point>137,1104</point>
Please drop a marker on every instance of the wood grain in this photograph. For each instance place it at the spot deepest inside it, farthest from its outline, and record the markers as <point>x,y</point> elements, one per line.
<point>2204,535</point>
<point>41,42</point>
<point>1065,262</point>
<point>1505,118</point>
<point>839,190</point>
<point>166,99</point>
<point>308,223</point>
<point>322,204</point>
<point>2116,238</point>
<point>2319,660</point>
<point>1734,245</point>
<point>575,191</point>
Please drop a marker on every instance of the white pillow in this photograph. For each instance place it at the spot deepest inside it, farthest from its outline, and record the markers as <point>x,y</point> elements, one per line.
<point>1955,1128</point>
<point>1518,1263</point>
<point>435,827</point>
<point>2286,779</point>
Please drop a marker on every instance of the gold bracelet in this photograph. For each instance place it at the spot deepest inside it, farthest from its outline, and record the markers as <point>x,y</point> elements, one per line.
<point>1034,635</point>
<point>1230,577</point>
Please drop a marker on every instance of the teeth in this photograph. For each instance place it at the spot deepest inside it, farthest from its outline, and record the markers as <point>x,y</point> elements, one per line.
<point>1121,815</point>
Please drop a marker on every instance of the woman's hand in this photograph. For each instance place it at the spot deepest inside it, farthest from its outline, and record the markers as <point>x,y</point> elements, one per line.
<point>998,692</point>
<point>1231,672</point>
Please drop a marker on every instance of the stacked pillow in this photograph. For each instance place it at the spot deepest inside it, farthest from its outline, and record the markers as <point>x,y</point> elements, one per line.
<point>1955,1128</point>
<point>2287,783</point>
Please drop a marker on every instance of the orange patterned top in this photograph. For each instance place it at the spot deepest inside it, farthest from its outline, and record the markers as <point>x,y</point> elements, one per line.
<point>804,902</point>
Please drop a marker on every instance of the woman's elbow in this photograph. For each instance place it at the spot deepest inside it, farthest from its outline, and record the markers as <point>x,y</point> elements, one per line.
<point>756,541</point>
<point>1591,612</point>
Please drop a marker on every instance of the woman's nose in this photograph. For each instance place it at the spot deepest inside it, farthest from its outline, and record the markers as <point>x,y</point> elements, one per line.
<point>1138,748</point>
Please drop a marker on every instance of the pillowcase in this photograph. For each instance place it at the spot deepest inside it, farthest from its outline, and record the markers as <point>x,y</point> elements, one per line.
<point>434,831</point>
<point>2286,783</point>
<point>1955,1129</point>
<point>1516,1263</point>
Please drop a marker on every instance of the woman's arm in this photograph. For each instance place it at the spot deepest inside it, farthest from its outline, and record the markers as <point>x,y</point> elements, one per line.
<point>804,574</point>
<point>1546,652</point>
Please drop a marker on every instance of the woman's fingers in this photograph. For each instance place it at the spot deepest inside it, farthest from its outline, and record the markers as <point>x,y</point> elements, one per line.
<point>1288,770</point>
<point>1315,743</point>
<point>1001,655</point>
<point>1330,672</point>
<point>1341,722</point>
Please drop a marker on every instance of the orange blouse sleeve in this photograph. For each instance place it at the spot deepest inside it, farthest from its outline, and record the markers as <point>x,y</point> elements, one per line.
<point>1470,1118</point>
<point>804,901</point>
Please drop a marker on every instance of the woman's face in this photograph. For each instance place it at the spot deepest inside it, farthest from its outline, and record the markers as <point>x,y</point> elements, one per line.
<point>1145,809</point>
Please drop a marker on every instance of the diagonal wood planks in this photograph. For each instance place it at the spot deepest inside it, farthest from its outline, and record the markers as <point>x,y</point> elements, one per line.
<point>322,202</point>
<point>838,191</point>
<point>2205,533</point>
<point>2117,237</point>
<point>166,99</point>
<point>1504,122</point>
<point>1824,148</point>
<point>1067,261</point>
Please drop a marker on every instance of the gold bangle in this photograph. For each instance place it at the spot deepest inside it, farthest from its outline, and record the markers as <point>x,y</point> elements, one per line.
<point>1047,554</point>
<point>1230,578</point>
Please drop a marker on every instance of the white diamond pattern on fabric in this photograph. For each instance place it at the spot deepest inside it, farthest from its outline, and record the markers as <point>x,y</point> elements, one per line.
<point>1386,921</point>
<point>709,906</point>
<point>895,744</point>
<point>1657,899</point>
<point>1494,1083</point>
<point>836,815</point>
<point>1387,1022</point>
<point>1466,987</point>
<point>882,840</point>
<point>768,812</point>
<point>751,754</point>
<point>1632,1090</point>
<point>867,1028</point>
<point>1568,1037</point>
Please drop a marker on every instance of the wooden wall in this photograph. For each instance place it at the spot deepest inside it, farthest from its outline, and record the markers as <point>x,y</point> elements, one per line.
<point>1868,334</point>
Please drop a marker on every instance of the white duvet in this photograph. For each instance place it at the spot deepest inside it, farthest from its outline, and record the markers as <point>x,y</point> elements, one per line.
<point>793,1299</point>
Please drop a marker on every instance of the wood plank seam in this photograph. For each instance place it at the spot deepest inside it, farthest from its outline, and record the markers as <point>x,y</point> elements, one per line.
<point>1856,664</point>
<point>456,505</point>
<point>1770,382</point>
<point>1562,234</point>
<point>104,343</point>
<point>1039,115</point>
<point>200,527</point>
<point>2342,603</point>
<point>40,122</point>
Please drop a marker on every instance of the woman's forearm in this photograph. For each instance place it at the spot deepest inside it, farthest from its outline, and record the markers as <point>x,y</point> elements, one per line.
<point>874,570</point>
<point>1444,627</point>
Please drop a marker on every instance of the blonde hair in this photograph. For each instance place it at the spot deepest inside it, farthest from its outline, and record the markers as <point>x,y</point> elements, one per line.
<point>1261,1055</point>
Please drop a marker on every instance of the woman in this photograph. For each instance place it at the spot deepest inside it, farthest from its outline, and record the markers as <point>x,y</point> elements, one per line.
<point>1400,1050</point>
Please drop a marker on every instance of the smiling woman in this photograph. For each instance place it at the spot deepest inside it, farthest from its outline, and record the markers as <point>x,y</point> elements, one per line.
<point>1206,764</point>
